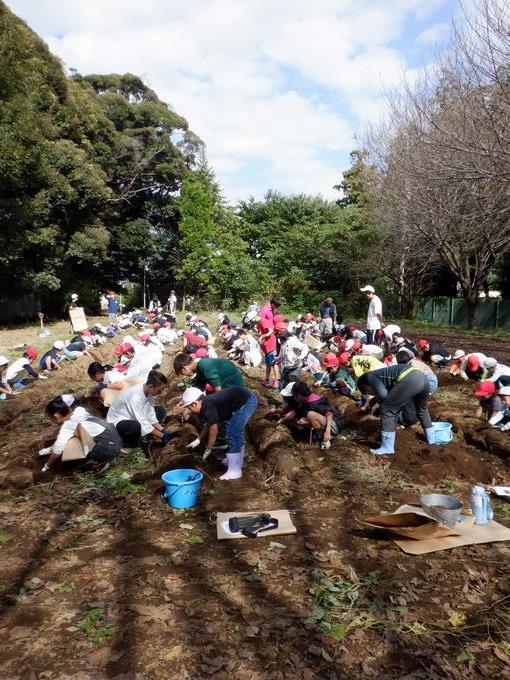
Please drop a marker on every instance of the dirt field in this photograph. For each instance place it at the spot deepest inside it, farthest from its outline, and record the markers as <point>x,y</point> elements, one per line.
<point>102,579</point>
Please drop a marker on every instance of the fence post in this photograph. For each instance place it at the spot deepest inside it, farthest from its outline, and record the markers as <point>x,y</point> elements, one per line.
<point>497,312</point>
<point>433,310</point>
<point>451,312</point>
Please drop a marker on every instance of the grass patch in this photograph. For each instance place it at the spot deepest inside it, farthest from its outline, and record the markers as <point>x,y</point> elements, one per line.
<point>372,476</point>
<point>115,484</point>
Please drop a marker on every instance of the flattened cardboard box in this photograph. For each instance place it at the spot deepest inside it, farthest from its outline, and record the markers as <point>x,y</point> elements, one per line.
<point>464,533</point>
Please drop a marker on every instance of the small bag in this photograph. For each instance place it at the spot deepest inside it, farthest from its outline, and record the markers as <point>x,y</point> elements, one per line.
<point>252,525</point>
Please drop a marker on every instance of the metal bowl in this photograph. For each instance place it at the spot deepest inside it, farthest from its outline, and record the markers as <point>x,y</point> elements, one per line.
<point>444,508</point>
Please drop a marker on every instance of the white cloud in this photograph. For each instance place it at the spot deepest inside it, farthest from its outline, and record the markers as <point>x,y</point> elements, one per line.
<point>275,88</point>
<point>434,34</point>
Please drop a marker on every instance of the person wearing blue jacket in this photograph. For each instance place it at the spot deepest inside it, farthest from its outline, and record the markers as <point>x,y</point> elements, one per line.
<point>394,386</point>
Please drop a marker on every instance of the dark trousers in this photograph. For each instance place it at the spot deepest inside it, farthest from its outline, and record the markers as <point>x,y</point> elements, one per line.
<point>130,431</point>
<point>413,387</point>
<point>371,336</point>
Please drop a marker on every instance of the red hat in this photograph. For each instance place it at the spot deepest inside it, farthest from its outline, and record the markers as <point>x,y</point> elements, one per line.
<point>156,325</point>
<point>120,367</point>
<point>278,318</point>
<point>330,360</point>
<point>280,327</point>
<point>265,325</point>
<point>344,358</point>
<point>473,364</point>
<point>356,346</point>
<point>144,338</point>
<point>485,388</point>
<point>31,353</point>
<point>422,344</point>
<point>201,353</point>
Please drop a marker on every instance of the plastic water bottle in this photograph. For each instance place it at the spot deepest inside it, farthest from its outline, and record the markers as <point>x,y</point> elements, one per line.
<point>481,505</point>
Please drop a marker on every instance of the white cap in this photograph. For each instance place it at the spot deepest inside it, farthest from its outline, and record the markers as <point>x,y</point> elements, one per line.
<point>221,317</point>
<point>349,345</point>
<point>58,344</point>
<point>504,391</point>
<point>74,296</point>
<point>490,363</point>
<point>68,399</point>
<point>3,360</point>
<point>287,390</point>
<point>367,289</point>
<point>458,354</point>
<point>190,395</point>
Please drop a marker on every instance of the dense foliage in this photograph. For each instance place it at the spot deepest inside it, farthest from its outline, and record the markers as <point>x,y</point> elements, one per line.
<point>90,169</point>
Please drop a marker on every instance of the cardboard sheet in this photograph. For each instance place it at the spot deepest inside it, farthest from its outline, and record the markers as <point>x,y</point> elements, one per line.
<point>109,395</point>
<point>285,525</point>
<point>410,525</point>
<point>79,446</point>
<point>78,319</point>
<point>469,534</point>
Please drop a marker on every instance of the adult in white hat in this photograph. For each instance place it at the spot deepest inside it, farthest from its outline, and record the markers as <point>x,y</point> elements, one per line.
<point>233,406</point>
<point>374,314</point>
<point>5,388</point>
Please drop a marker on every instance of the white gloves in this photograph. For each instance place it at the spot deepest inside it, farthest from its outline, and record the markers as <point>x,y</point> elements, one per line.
<point>44,452</point>
<point>194,444</point>
<point>207,453</point>
<point>505,427</point>
<point>325,445</point>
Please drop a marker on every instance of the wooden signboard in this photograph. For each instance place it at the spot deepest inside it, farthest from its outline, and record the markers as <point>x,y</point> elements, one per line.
<point>78,319</point>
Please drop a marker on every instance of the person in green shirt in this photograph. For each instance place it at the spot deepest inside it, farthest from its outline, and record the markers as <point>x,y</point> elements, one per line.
<point>219,373</point>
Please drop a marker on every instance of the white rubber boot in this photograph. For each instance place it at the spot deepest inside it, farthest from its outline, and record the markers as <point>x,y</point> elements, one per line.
<point>234,466</point>
<point>387,445</point>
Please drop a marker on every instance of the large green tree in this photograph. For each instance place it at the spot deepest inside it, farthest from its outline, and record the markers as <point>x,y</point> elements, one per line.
<point>90,170</point>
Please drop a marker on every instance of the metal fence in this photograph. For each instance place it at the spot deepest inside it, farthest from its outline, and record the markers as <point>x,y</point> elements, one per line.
<point>492,312</point>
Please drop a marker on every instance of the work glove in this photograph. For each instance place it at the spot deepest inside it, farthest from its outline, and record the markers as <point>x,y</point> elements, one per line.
<point>44,452</point>
<point>207,453</point>
<point>166,437</point>
<point>505,427</point>
<point>325,445</point>
<point>194,444</point>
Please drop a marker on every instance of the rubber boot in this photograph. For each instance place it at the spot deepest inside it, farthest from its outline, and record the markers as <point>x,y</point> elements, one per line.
<point>387,445</point>
<point>430,433</point>
<point>234,467</point>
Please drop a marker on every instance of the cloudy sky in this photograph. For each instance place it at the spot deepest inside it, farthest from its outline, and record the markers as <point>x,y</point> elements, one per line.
<point>277,89</point>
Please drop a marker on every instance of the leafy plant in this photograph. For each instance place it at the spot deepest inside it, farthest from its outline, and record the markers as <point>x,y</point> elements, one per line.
<point>66,587</point>
<point>5,538</point>
<point>93,627</point>
<point>342,605</point>
<point>449,485</point>
<point>195,540</point>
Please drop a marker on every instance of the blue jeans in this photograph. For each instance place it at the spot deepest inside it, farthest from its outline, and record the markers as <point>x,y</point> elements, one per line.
<point>237,423</point>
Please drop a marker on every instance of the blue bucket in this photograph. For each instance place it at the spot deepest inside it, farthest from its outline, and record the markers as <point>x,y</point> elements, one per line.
<point>182,487</point>
<point>443,433</point>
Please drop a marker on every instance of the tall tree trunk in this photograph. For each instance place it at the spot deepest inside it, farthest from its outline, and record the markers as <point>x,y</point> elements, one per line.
<point>471,297</point>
